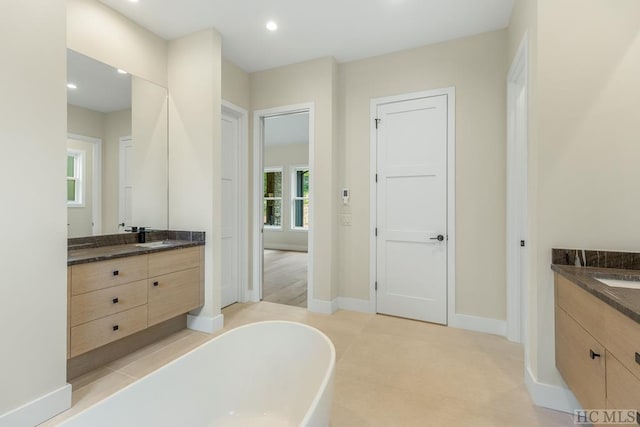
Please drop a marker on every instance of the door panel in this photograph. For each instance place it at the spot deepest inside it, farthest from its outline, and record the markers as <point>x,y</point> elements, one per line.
<point>412,209</point>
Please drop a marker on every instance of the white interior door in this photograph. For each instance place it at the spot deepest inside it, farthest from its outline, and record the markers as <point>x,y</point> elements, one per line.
<point>230,211</point>
<point>125,209</point>
<point>412,209</point>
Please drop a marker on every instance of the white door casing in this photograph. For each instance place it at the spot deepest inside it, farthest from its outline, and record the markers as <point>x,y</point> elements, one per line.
<point>125,186</point>
<point>412,208</point>
<point>255,294</point>
<point>230,208</point>
<point>517,193</point>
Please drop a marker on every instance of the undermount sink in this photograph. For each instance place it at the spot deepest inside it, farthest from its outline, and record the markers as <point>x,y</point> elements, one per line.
<point>159,244</point>
<point>617,283</point>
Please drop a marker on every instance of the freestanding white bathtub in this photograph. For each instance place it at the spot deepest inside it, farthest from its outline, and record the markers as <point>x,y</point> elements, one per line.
<point>272,373</point>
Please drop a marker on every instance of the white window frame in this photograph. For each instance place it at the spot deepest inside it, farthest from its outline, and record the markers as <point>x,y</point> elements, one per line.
<point>294,183</point>
<point>78,175</point>
<point>281,198</point>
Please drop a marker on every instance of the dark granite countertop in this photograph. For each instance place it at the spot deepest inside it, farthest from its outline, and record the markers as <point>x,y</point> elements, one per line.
<point>626,301</point>
<point>81,255</point>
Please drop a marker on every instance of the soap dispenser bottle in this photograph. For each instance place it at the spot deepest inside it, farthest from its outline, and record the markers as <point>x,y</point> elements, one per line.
<point>142,235</point>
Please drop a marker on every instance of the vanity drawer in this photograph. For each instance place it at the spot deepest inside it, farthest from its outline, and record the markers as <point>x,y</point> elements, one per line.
<point>583,372</point>
<point>582,306</point>
<point>173,294</point>
<point>623,388</point>
<point>105,302</point>
<point>102,331</point>
<point>623,339</point>
<point>171,261</point>
<point>105,274</point>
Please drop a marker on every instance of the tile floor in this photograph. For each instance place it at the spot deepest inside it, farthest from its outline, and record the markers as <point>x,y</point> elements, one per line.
<point>389,371</point>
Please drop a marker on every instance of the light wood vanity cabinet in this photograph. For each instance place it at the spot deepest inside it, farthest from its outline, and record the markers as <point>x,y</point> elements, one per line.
<point>174,284</point>
<point>109,300</point>
<point>597,349</point>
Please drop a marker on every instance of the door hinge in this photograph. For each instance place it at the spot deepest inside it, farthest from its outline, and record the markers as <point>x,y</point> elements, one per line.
<point>377,122</point>
<point>522,243</point>
<point>376,231</point>
<point>376,177</point>
<point>376,285</point>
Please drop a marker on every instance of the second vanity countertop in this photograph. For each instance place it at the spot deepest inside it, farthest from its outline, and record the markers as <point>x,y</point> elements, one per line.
<point>625,300</point>
<point>102,253</point>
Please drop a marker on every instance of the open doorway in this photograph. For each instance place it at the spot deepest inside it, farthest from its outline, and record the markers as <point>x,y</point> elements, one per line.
<point>284,204</point>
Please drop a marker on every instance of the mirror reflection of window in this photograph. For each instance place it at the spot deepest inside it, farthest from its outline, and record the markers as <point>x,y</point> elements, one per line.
<point>75,160</point>
<point>300,199</point>
<point>272,212</point>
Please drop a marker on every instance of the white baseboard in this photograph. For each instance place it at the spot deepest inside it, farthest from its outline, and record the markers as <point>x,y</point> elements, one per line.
<point>479,324</point>
<point>355,304</point>
<point>550,396</point>
<point>324,307</point>
<point>205,324</point>
<point>39,410</point>
<point>286,247</point>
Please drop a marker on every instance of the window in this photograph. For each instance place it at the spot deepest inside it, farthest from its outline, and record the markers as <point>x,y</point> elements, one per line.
<point>300,198</point>
<point>75,187</point>
<point>272,196</point>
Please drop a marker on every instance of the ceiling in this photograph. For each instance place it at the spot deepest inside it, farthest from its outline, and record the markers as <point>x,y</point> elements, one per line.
<point>286,129</point>
<point>345,29</point>
<point>100,86</point>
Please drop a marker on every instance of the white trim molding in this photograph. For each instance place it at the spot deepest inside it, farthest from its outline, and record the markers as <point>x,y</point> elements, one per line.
<point>39,410</point>
<point>355,304</point>
<point>258,162</point>
<point>478,324</point>
<point>450,92</point>
<point>243,199</point>
<point>205,324</point>
<point>323,307</point>
<point>550,396</point>
<point>517,146</point>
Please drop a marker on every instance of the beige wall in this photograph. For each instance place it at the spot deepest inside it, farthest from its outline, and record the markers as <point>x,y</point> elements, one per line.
<point>235,85</point>
<point>286,156</point>
<point>33,289</point>
<point>311,81</point>
<point>476,66</point>
<point>98,31</point>
<point>195,184</point>
<point>587,149</point>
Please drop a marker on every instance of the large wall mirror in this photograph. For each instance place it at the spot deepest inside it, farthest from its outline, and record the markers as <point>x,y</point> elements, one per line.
<point>117,159</point>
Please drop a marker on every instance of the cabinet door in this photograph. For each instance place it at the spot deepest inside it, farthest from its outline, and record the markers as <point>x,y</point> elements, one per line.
<point>173,294</point>
<point>581,361</point>
<point>623,388</point>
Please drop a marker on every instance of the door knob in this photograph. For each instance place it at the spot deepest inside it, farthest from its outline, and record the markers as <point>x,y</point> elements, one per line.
<point>440,238</point>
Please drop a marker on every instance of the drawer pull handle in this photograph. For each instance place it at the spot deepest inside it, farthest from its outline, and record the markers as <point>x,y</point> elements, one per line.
<point>115,300</point>
<point>638,358</point>
<point>637,415</point>
<point>592,354</point>
<point>116,327</point>
<point>156,284</point>
<point>116,272</point>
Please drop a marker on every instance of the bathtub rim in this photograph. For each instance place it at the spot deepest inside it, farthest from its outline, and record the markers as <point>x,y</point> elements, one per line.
<point>328,375</point>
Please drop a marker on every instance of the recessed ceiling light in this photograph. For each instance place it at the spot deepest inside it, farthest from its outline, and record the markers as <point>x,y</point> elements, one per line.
<point>272,26</point>
<point>133,1</point>
<point>121,71</point>
<point>72,86</point>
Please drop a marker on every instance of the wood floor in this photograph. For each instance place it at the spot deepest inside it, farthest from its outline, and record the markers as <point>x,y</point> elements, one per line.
<point>285,277</point>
